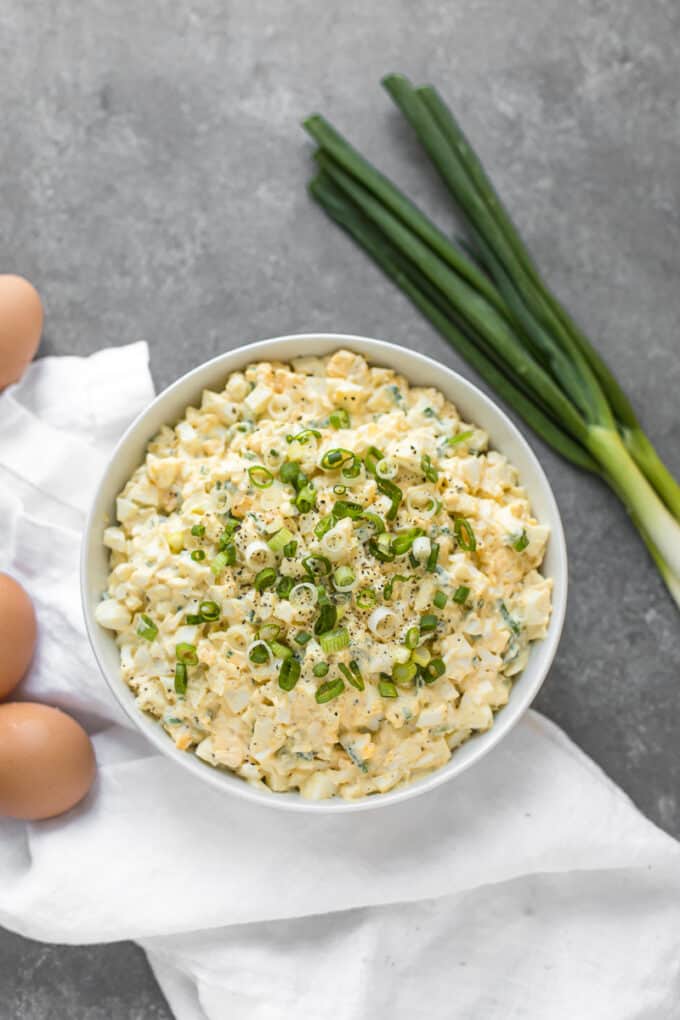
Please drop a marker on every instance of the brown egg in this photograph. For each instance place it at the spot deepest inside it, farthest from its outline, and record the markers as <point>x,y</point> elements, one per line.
<point>46,761</point>
<point>17,633</point>
<point>21,320</point>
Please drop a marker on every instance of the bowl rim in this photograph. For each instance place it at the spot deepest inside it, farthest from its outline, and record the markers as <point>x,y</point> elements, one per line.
<point>482,743</point>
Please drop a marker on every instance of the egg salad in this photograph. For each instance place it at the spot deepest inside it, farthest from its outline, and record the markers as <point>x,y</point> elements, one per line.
<point>322,579</point>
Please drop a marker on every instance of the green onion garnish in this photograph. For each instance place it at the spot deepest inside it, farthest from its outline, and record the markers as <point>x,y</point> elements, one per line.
<point>430,472</point>
<point>306,499</point>
<point>265,578</point>
<point>374,519</point>
<point>289,471</point>
<point>434,669</point>
<point>209,610</point>
<point>260,476</point>
<point>289,549</point>
<point>269,631</point>
<point>320,669</point>
<point>381,547</point>
<point>339,418</point>
<point>421,656</point>
<point>431,564</point>
<point>460,438</point>
<point>345,508</point>
<point>387,689</point>
<point>412,637</point>
<point>372,459</point>
<point>343,576</point>
<point>389,587</point>
<point>428,622</point>
<point>439,599</point>
<point>194,619</point>
<point>328,614</point>
<point>460,595</point>
<point>336,458</point>
<point>464,534</point>
<point>366,598</point>
<point>285,587</point>
<point>186,653</point>
<point>521,543</point>
<point>302,637</point>
<point>352,674</point>
<point>197,555</point>
<point>404,673</point>
<point>280,651</point>
<point>259,654</point>
<point>334,640</point>
<point>317,566</point>
<point>198,530</point>
<point>395,495</point>
<point>280,540</point>
<point>219,563</point>
<point>146,628</point>
<point>180,678</point>
<point>289,674</point>
<point>330,690</point>
<point>303,437</point>
<point>339,490</point>
<point>324,525</point>
<point>402,542</point>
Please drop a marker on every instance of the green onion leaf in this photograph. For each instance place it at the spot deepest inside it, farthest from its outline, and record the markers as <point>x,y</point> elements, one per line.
<point>289,550</point>
<point>146,628</point>
<point>352,675</point>
<point>460,438</point>
<point>404,673</point>
<point>306,499</point>
<point>381,548</point>
<point>374,519</point>
<point>265,578</point>
<point>320,669</point>
<point>431,564</point>
<point>280,540</point>
<point>344,508</point>
<point>430,472</point>
<point>327,618</point>
<point>389,587</point>
<point>372,459</point>
<point>180,678</point>
<point>395,495</point>
<point>366,598</point>
<point>317,566</point>
<point>334,640</point>
<point>259,654</point>
<point>269,631</point>
<point>521,543</point>
<point>302,637</point>
<point>339,418</point>
<point>339,490</point>
<point>439,599</point>
<point>289,674</point>
<point>303,437</point>
<point>403,541</point>
<point>343,576</point>
<point>219,563</point>
<point>260,476</point>
<point>330,690</point>
<point>465,536</point>
<point>387,689</point>
<point>198,530</point>
<point>198,555</point>
<point>289,471</point>
<point>434,669</point>
<point>324,525</point>
<point>460,595</point>
<point>285,587</point>
<point>194,619</point>
<point>186,653</point>
<point>209,610</point>
<point>428,622</point>
<point>280,651</point>
<point>412,637</point>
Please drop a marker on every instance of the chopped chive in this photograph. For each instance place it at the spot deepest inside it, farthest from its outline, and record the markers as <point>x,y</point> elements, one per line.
<point>280,651</point>
<point>289,471</point>
<point>521,543</point>
<point>302,637</point>
<point>460,438</point>
<point>388,689</point>
<point>404,673</point>
<point>330,690</point>
<point>146,628</point>
<point>289,549</point>
<point>197,555</point>
<point>334,640</point>
<point>439,599</point>
<point>343,576</point>
<point>430,472</point>
<point>285,587</point>
<point>339,490</point>
<point>320,669</point>
<point>186,653</point>
<point>431,564</point>
<point>366,598</point>
<point>394,493</point>
<point>412,637</point>
<point>433,670</point>
<point>265,578</point>
<point>260,476</point>
<point>339,418</point>
<point>289,674</point>
<point>460,595</point>
<point>198,530</point>
<point>280,539</point>
<point>317,566</point>
<point>428,622</point>
<point>259,654</point>
<point>180,678</point>
<point>464,534</point>
<point>209,610</point>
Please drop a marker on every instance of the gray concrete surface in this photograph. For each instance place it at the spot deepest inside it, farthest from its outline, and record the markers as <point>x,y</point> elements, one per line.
<point>152,185</point>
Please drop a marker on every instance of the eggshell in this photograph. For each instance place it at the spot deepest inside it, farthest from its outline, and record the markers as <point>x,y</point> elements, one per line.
<point>17,633</point>
<point>21,321</point>
<point>47,762</point>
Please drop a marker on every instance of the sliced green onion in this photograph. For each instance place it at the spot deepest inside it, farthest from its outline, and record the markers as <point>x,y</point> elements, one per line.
<point>403,541</point>
<point>334,640</point>
<point>394,493</point>
<point>265,578</point>
<point>198,530</point>
<point>330,690</point>
<point>320,669</point>
<point>186,653</point>
<point>317,566</point>
<point>269,631</point>
<point>521,543</point>
<point>430,472</point>
<point>389,587</point>
<point>327,618</point>
<point>345,508</point>
<point>431,564</point>
<point>289,549</point>
<point>387,689</point>
<point>352,675</point>
<point>337,458</point>
<point>421,656</point>
<point>302,637</point>
<point>404,673</point>
<point>231,524</point>
<point>285,587</point>
<point>460,438</point>
<point>372,459</point>
<point>197,555</point>
<point>339,490</point>
<point>343,576</point>
<point>289,471</point>
<point>381,547</point>
<point>219,563</point>
<point>209,610</point>
<point>289,674</point>
<point>428,622</point>
<point>460,595</point>
<point>324,526</point>
<point>194,619</point>
<point>439,599</point>
<point>146,628</point>
<point>306,499</point>
<point>260,476</point>
<point>374,519</point>
<point>339,418</point>
<point>366,598</point>
<point>465,536</point>
<point>303,437</point>
<point>280,651</point>
<point>434,669</point>
<point>180,678</point>
<point>280,540</point>
<point>412,637</point>
<point>259,654</point>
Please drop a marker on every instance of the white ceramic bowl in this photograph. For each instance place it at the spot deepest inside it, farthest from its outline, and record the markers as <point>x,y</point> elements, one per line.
<point>473,405</point>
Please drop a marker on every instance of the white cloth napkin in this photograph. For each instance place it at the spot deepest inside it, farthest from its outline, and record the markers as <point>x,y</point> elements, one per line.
<point>528,888</point>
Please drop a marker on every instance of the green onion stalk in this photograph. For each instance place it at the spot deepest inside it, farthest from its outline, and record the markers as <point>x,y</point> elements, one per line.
<point>488,300</point>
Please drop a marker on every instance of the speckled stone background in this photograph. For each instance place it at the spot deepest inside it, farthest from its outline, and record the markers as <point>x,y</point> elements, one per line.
<point>152,180</point>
